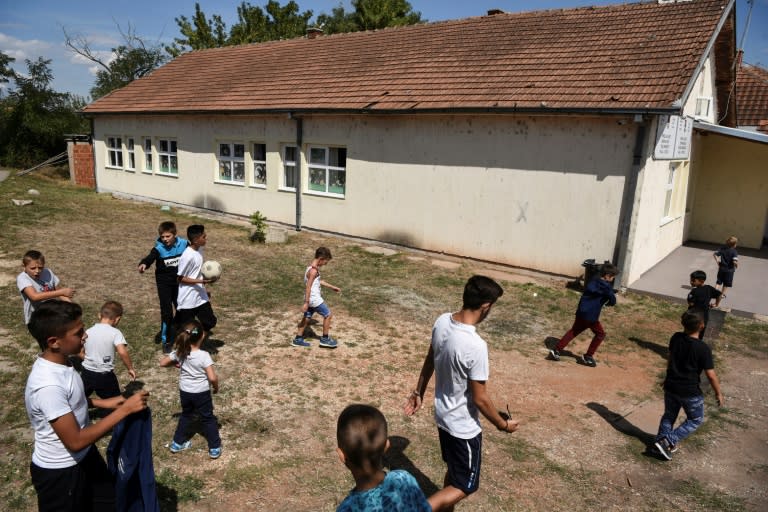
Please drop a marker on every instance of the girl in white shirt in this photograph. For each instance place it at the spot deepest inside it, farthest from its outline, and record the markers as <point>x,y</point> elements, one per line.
<point>196,380</point>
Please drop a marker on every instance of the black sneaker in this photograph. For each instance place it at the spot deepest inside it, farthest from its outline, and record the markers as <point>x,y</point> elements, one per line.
<point>588,360</point>
<point>554,354</point>
<point>664,448</point>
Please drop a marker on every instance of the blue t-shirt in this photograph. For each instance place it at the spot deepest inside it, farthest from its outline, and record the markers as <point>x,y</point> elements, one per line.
<point>399,492</point>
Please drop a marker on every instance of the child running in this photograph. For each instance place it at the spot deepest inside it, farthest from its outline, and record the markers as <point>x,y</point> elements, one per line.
<point>700,297</point>
<point>68,472</point>
<point>727,262</point>
<point>38,283</point>
<point>361,433</point>
<point>196,380</point>
<point>103,340</point>
<point>313,301</point>
<point>688,356</point>
<point>166,253</point>
<point>597,293</point>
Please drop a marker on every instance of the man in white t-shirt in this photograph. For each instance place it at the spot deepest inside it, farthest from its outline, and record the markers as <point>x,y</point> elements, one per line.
<point>67,471</point>
<point>193,301</point>
<point>458,357</point>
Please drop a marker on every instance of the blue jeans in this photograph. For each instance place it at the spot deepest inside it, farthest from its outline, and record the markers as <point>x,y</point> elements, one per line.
<point>694,412</point>
<point>202,404</point>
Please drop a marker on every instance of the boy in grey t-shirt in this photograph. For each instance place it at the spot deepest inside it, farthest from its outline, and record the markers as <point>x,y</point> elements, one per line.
<point>102,341</point>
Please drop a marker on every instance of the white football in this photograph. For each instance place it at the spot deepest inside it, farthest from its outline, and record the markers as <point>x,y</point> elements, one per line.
<point>211,269</point>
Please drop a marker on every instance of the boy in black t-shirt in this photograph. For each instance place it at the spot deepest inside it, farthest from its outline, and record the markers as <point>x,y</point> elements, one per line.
<point>727,262</point>
<point>700,297</point>
<point>688,356</point>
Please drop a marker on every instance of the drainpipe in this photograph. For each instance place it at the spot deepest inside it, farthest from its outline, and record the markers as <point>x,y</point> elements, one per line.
<point>93,155</point>
<point>299,135</point>
<point>621,253</point>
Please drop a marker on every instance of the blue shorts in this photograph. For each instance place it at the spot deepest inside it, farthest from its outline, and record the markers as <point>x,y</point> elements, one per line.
<point>321,310</point>
<point>463,459</point>
<point>725,277</point>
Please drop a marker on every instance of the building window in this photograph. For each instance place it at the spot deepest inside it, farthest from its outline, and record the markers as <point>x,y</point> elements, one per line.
<point>166,152</point>
<point>259,164</point>
<point>670,189</point>
<point>231,162</point>
<point>148,154</point>
<point>289,167</point>
<point>115,152</point>
<point>131,152</point>
<point>327,170</point>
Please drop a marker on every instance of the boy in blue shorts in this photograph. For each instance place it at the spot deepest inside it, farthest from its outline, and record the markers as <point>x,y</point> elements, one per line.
<point>67,471</point>
<point>313,301</point>
<point>361,433</point>
<point>458,357</point>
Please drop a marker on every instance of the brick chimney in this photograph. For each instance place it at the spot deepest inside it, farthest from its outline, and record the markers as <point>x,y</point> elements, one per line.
<point>314,32</point>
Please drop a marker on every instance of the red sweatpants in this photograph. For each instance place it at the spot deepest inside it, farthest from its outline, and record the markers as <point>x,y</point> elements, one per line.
<point>579,326</point>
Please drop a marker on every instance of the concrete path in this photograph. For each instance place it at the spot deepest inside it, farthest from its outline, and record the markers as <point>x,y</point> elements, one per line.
<point>670,278</point>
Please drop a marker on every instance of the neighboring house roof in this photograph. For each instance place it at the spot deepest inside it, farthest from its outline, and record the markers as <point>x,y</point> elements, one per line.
<point>630,57</point>
<point>752,96</point>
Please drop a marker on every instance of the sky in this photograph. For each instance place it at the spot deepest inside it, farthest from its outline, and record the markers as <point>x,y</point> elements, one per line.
<point>34,28</point>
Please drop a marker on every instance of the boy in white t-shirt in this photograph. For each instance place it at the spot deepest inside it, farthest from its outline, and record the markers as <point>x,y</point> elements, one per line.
<point>104,339</point>
<point>67,471</point>
<point>193,302</point>
<point>37,283</point>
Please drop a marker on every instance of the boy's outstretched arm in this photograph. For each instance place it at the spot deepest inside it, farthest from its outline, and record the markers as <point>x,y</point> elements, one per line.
<point>329,285</point>
<point>715,383</point>
<point>122,351</point>
<point>75,439</point>
<point>416,397</point>
<point>60,293</point>
<point>485,405</point>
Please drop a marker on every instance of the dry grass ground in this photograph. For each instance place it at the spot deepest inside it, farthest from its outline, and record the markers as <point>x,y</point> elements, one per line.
<point>581,443</point>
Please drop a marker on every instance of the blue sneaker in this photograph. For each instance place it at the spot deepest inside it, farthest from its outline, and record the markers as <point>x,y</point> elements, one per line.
<point>176,448</point>
<point>214,453</point>
<point>298,341</point>
<point>328,342</point>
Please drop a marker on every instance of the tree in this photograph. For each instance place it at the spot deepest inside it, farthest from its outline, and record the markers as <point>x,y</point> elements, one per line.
<point>6,73</point>
<point>134,59</point>
<point>34,117</point>
<point>369,15</point>
<point>200,34</point>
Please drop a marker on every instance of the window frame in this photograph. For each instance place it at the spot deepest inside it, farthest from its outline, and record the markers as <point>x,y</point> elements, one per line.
<point>170,154</point>
<point>289,163</point>
<point>114,145</point>
<point>673,170</point>
<point>149,157</point>
<point>130,154</point>
<point>254,162</point>
<point>327,169</point>
<point>232,160</point>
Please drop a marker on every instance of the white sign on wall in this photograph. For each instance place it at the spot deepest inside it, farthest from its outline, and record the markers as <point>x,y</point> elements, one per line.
<point>673,138</point>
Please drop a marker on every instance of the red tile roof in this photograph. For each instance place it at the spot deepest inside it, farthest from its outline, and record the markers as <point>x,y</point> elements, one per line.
<point>752,96</point>
<point>637,56</point>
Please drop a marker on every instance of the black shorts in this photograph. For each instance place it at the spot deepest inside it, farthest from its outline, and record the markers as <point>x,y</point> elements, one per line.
<point>203,313</point>
<point>86,486</point>
<point>725,277</point>
<point>463,459</point>
<point>105,385</point>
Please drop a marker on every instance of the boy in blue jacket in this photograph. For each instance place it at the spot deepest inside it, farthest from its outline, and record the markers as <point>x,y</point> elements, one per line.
<point>165,253</point>
<point>597,293</point>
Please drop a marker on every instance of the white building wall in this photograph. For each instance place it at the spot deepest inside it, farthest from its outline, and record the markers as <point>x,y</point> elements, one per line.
<point>535,192</point>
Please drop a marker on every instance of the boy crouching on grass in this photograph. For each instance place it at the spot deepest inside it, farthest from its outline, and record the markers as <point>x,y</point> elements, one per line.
<point>68,472</point>
<point>362,439</point>
<point>688,356</point>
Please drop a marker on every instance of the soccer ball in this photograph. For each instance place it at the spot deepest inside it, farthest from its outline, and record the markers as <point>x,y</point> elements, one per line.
<point>211,269</point>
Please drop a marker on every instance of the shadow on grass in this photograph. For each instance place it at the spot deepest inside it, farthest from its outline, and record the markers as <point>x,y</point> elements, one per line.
<point>395,458</point>
<point>621,424</point>
<point>212,345</point>
<point>168,498</point>
<point>550,342</point>
<point>661,350</point>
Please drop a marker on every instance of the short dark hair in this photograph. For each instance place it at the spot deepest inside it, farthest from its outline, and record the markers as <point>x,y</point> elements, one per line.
<point>323,252</point>
<point>166,227</point>
<point>32,255</point>
<point>361,434</point>
<point>194,231</point>
<point>691,321</point>
<point>111,309</point>
<point>699,274</point>
<point>480,290</point>
<point>608,269</point>
<point>51,319</point>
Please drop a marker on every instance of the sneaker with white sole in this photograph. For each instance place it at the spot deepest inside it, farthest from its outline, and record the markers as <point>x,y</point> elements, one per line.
<point>588,360</point>
<point>554,354</point>
<point>328,342</point>
<point>214,453</point>
<point>298,341</point>
<point>664,448</point>
<point>176,448</point>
